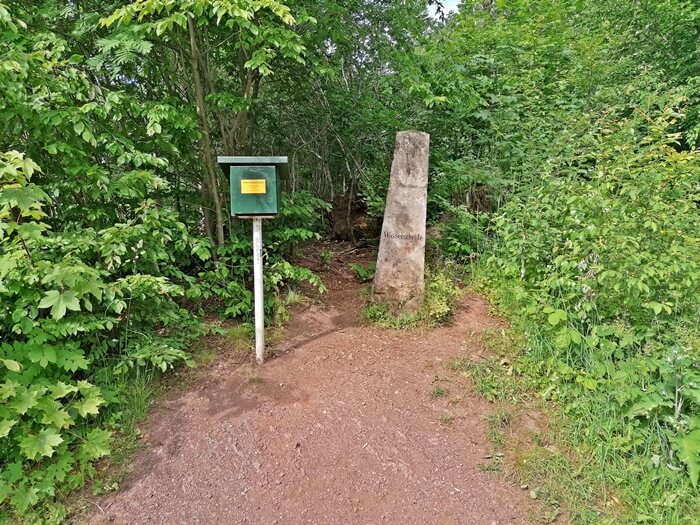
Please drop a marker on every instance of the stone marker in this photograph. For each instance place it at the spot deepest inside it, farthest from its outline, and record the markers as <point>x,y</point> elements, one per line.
<point>399,278</point>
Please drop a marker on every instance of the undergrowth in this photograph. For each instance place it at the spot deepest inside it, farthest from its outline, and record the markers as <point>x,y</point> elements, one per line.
<point>589,460</point>
<point>441,298</point>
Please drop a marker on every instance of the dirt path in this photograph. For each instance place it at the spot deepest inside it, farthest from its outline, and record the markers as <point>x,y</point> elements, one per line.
<point>340,428</point>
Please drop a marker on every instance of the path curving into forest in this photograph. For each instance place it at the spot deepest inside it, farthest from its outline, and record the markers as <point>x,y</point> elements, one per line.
<point>340,428</point>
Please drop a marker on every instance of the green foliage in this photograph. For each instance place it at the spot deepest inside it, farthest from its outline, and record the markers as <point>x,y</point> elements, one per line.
<point>610,266</point>
<point>438,391</point>
<point>439,303</point>
<point>564,168</point>
<point>325,257</point>
<point>364,273</point>
<point>441,297</point>
<point>72,317</point>
<point>109,247</point>
<point>572,150</point>
<point>261,46</point>
<point>228,278</point>
<point>461,234</point>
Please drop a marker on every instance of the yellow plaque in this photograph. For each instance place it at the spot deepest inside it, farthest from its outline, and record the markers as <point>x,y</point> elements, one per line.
<point>256,186</point>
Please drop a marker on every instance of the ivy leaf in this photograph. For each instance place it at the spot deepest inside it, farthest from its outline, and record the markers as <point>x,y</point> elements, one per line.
<point>59,302</point>
<point>96,444</point>
<point>41,444</point>
<point>5,427</point>
<point>688,447</point>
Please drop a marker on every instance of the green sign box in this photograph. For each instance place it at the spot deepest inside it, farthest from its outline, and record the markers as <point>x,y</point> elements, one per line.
<point>254,184</point>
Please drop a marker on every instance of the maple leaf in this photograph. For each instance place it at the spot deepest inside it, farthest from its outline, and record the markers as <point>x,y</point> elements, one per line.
<point>54,414</point>
<point>25,498</point>
<point>25,400</point>
<point>8,389</point>
<point>42,444</point>
<point>96,444</point>
<point>89,405</point>
<point>61,389</point>
<point>5,427</point>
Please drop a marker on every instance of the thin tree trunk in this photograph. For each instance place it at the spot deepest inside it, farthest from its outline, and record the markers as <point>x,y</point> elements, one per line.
<point>207,216</point>
<point>207,152</point>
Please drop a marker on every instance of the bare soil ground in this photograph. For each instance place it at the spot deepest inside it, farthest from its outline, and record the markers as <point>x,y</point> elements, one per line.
<point>342,427</point>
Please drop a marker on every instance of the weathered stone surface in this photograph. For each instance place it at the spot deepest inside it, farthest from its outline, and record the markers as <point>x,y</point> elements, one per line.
<point>399,278</point>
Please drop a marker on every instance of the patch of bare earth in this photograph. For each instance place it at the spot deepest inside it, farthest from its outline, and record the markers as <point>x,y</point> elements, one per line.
<point>344,426</point>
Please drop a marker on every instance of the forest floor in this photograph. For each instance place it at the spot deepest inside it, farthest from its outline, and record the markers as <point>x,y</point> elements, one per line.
<point>347,423</point>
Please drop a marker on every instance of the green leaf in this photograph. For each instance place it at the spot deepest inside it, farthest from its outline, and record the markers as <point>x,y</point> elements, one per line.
<point>96,444</point>
<point>647,405</point>
<point>58,470</point>
<point>656,307</point>
<point>12,365</point>
<point>688,447</point>
<point>42,444</point>
<point>24,401</point>
<point>54,414</point>
<point>42,354</point>
<point>25,498</point>
<point>556,317</point>
<point>5,490</point>
<point>25,198</point>
<point>72,360</point>
<point>8,389</point>
<point>89,405</point>
<point>14,471</point>
<point>62,389</point>
<point>31,230</point>
<point>5,427</point>
<point>59,302</point>
<point>575,336</point>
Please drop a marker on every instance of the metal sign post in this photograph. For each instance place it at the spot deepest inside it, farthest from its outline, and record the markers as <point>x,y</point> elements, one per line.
<point>254,183</point>
<point>258,291</point>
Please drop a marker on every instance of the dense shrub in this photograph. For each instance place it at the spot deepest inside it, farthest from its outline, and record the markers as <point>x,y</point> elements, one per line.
<point>609,259</point>
<point>77,308</point>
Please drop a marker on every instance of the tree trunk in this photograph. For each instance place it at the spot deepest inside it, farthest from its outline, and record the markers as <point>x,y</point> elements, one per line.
<point>211,178</point>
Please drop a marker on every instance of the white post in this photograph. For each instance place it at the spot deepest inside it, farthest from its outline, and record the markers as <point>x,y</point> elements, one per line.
<point>258,286</point>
